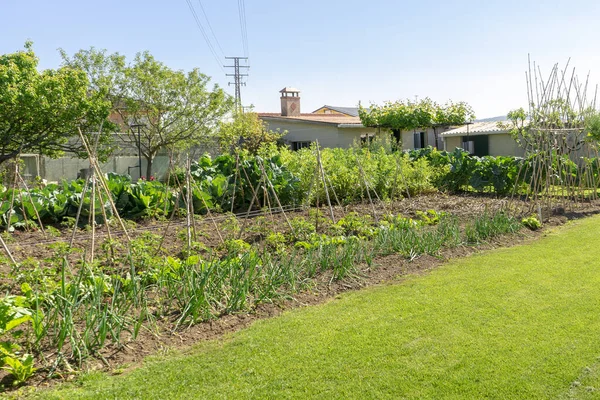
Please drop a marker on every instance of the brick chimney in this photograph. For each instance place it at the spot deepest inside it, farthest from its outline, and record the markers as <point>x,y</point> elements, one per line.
<point>290,102</point>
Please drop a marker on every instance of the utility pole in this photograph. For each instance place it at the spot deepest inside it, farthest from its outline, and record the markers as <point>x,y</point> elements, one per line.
<point>237,79</point>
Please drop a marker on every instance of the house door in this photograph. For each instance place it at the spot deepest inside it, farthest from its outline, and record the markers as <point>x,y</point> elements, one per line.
<point>419,139</point>
<point>477,145</point>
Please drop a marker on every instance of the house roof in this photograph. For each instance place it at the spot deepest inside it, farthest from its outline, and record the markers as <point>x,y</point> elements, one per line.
<point>333,119</point>
<point>477,128</point>
<point>499,118</point>
<point>351,111</point>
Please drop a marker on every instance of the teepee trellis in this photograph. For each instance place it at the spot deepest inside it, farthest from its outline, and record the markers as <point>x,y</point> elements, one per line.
<point>556,170</point>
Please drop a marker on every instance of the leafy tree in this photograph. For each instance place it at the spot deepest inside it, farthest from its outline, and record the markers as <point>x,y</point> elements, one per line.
<point>105,72</point>
<point>408,115</point>
<point>177,109</point>
<point>246,131</point>
<point>41,112</point>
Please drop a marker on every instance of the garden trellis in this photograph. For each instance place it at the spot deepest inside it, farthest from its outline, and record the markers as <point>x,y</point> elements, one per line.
<point>559,139</point>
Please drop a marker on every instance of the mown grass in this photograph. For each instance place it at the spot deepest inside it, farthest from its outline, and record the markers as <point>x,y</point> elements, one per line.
<point>509,324</point>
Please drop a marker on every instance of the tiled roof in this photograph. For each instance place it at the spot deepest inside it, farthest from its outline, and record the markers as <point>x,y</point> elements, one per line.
<point>317,118</point>
<point>477,128</point>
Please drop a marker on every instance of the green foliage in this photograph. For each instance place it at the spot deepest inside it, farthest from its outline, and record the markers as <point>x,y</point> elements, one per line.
<point>246,132</point>
<point>14,312</point>
<point>236,246</point>
<point>431,217</point>
<point>21,368</point>
<point>532,222</point>
<point>592,127</point>
<point>276,241</point>
<point>354,224</point>
<point>457,170</point>
<point>498,174</point>
<point>409,115</point>
<point>60,202</point>
<point>40,111</point>
<point>178,109</point>
<point>302,230</point>
<point>388,175</point>
<point>489,226</point>
<point>227,182</point>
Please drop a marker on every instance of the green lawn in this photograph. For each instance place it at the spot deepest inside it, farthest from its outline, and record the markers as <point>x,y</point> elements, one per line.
<point>516,323</point>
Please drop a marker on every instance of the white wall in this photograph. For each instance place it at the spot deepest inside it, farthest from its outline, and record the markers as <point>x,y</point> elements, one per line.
<point>504,145</point>
<point>499,144</point>
<point>408,142</point>
<point>328,135</point>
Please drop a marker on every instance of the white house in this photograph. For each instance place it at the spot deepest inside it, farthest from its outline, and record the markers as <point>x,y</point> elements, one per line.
<point>330,129</point>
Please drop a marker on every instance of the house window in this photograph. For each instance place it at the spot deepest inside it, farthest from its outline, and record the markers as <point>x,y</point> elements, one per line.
<point>469,146</point>
<point>366,139</point>
<point>300,145</point>
<point>419,140</point>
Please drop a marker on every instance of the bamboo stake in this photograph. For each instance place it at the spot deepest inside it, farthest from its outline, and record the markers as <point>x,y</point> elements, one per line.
<point>237,167</point>
<point>189,202</point>
<point>12,198</point>
<point>95,166</point>
<point>92,217</point>
<point>83,193</point>
<point>37,214</point>
<point>270,184</point>
<point>7,251</point>
<point>320,163</point>
<point>254,198</point>
<point>362,174</point>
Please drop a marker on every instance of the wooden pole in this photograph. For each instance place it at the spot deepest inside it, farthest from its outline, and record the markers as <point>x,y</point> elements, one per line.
<point>262,167</point>
<point>96,168</point>
<point>320,163</point>
<point>362,174</point>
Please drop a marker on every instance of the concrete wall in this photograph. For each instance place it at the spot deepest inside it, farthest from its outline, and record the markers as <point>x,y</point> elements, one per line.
<point>408,142</point>
<point>500,144</point>
<point>124,161</point>
<point>328,135</point>
<point>68,168</point>
<point>450,143</point>
<point>504,145</point>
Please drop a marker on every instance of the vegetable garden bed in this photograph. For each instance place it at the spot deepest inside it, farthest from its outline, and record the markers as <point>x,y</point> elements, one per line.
<point>127,304</point>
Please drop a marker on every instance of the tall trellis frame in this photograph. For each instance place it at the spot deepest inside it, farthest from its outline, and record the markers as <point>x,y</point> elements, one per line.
<point>560,167</point>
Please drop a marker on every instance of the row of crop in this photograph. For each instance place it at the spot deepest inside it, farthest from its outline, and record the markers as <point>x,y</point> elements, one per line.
<point>77,314</point>
<point>217,185</point>
<point>280,176</point>
<point>458,171</point>
<point>227,183</point>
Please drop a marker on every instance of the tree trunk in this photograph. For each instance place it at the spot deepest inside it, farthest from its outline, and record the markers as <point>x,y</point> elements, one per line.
<point>435,138</point>
<point>8,156</point>
<point>149,160</point>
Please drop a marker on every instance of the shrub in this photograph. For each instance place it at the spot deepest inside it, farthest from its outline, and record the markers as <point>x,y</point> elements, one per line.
<point>532,223</point>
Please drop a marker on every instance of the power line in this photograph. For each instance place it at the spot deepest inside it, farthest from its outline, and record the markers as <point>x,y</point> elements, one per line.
<point>206,38</point>
<point>243,26</point>
<point>211,29</point>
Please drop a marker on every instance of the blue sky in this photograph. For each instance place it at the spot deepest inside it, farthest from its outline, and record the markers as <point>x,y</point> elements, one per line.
<point>336,52</point>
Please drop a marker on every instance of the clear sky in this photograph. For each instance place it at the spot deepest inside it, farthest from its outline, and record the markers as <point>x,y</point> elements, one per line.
<point>337,52</point>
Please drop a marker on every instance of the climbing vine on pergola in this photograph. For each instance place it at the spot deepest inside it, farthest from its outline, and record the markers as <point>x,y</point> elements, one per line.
<point>405,115</point>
